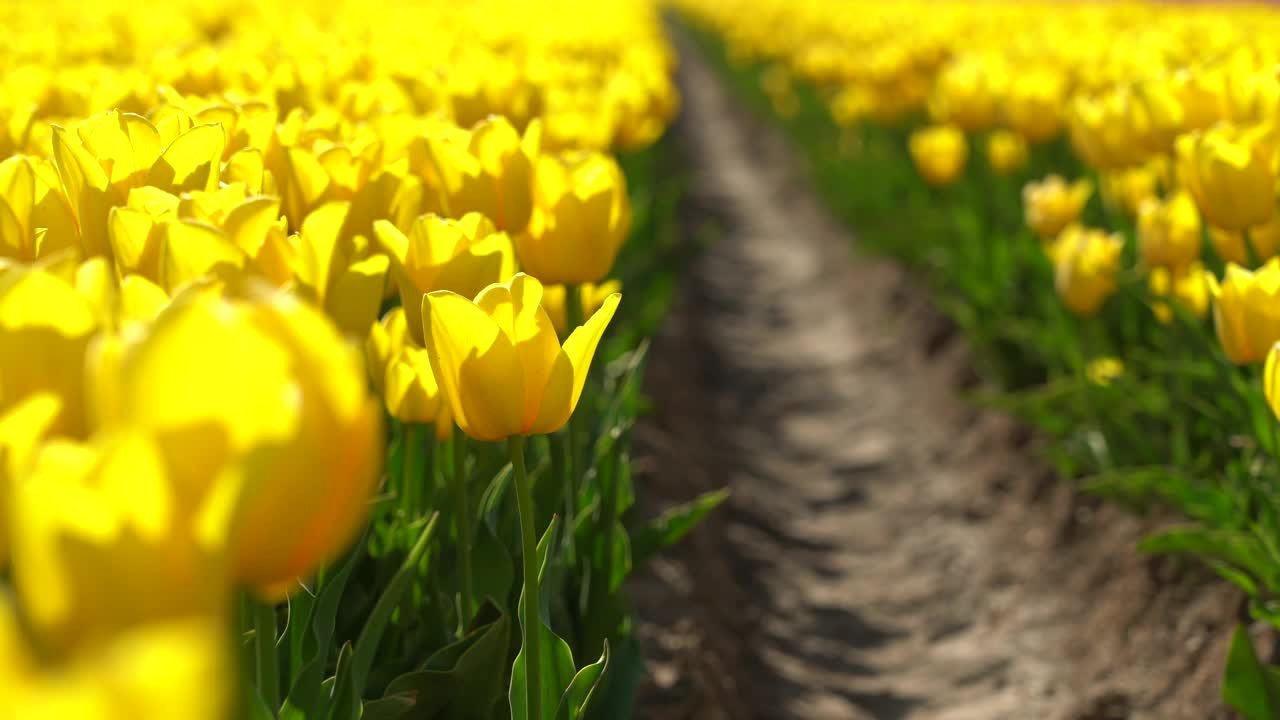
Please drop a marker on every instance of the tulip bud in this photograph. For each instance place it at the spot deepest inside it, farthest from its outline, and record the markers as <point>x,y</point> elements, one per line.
<point>1246,311</point>
<point>1050,205</point>
<point>499,362</point>
<point>1230,173</point>
<point>1087,261</point>
<point>489,174</point>
<point>1006,152</point>
<point>1169,231</point>
<point>581,217</point>
<point>939,152</point>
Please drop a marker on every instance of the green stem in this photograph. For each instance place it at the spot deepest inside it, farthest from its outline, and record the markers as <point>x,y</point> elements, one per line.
<point>573,318</point>
<point>463,526</point>
<point>264,643</point>
<point>529,622</point>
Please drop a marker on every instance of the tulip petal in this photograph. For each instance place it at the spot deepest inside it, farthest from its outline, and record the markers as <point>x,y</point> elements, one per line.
<point>193,250</point>
<point>191,162</point>
<point>476,366</point>
<point>356,295</point>
<point>569,373</point>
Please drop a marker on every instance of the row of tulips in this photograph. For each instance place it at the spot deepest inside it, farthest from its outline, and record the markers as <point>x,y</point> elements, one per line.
<point>1093,189</point>
<point>307,406</point>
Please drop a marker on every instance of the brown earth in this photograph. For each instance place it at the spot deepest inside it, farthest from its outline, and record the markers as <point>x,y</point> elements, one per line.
<point>888,551</point>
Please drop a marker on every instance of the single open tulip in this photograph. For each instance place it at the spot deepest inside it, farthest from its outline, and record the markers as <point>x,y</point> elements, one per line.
<point>1230,172</point>
<point>1006,151</point>
<point>488,170</point>
<point>499,362</point>
<point>1184,285</point>
<point>262,402</point>
<point>462,256</point>
<point>1086,264</point>
<point>1246,311</point>
<point>1169,231</point>
<point>1050,205</point>
<point>581,218</point>
<point>939,153</point>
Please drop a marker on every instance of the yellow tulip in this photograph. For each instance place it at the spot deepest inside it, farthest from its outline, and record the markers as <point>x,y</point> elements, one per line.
<point>1034,104</point>
<point>1101,371</point>
<point>35,219</point>
<point>462,256</point>
<point>262,402</point>
<point>1050,205</point>
<point>155,672</point>
<point>1087,261</point>
<point>499,362</point>
<point>1006,151</point>
<point>386,338</point>
<point>103,542</point>
<point>488,170</point>
<point>591,296</point>
<point>1169,231</point>
<point>1230,173</point>
<point>967,91</point>
<point>1127,189</point>
<point>581,218</point>
<point>411,394</point>
<point>1184,285</point>
<point>1271,380</point>
<point>22,427</point>
<point>331,273</point>
<point>45,329</point>
<point>1246,311</point>
<point>939,153</point>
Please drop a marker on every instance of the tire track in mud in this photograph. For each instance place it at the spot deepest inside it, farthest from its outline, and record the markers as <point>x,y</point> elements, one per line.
<point>888,551</point>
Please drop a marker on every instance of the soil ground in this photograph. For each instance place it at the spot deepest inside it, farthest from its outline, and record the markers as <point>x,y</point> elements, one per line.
<point>889,551</point>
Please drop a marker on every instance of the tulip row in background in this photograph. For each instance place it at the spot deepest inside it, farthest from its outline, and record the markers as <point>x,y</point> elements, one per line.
<point>1092,190</point>
<point>315,376</point>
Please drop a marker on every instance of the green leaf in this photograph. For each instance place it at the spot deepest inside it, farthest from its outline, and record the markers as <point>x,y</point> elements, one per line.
<point>493,570</point>
<point>577,697</point>
<point>668,528</point>
<point>555,657</point>
<point>351,684</point>
<point>461,681</point>
<point>1249,686</point>
<point>257,707</point>
<point>304,697</point>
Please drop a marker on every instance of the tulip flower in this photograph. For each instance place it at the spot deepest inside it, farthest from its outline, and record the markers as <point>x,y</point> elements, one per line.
<point>488,170</point>
<point>1102,371</point>
<point>1006,151</point>
<point>1271,380</point>
<point>35,219</point>
<point>1034,105</point>
<point>331,273</point>
<point>462,256</point>
<point>45,329</point>
<point>499,362</point>
<point>1087,261</point>
<point>1050,205</point>
<point>1230,173</point>
<point>1185,286</point>
<point>262,402</point>
<point>581,217</point>
<point>1246,311</point>
<point>967,91</point>
<point>1169,231</point>
<point>22,427</point>
<point>155,672</point>
<point>939,152</point>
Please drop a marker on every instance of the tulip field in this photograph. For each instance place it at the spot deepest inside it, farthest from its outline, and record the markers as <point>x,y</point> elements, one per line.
<point>324,327</point>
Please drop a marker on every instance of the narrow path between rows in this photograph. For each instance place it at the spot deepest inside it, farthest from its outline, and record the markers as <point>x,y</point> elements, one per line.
<point>888,551</point>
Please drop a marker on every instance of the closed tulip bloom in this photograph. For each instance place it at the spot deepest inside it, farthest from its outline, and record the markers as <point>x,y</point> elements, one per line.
<point>1085,269</point>
<point>1102,371</point>
<point>581,218</point>
<point>462,256</point>
<point>1231,175</point>
<point>259,400</point>
<point>1006,151</point>
<point>1185,286</point>
<point>412,395</point>
<point>967,92</point>
<point>488,170</point>
<point>386,338</point>
<point>939,153</point>
<point>1050,205</point>
<point>499,362</point>
<point>1246,311</point>
<point>1034,104</point>
<point>1169,231</point>
<point>1271,380</point>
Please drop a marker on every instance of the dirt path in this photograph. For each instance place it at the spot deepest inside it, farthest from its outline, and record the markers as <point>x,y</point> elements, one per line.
<point>888,552</point>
